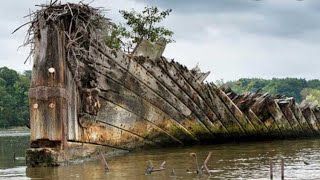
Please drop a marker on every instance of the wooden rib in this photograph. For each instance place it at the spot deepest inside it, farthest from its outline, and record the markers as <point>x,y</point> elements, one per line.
<point>261,128</point>
<point>302,120</point>
<point>175,89</point>
<point>280,119</point>
<point>232,127</point>
<point>316,112</point>
<point>164,117</point>
<point>311,118</point>
<point>191,122</point>
<point>292,119</point>
<point>270,123</point>
<point>241,117</point>
<point>176,77</point>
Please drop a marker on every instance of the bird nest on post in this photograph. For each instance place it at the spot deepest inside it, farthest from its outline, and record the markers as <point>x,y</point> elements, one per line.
<point>84,27</point>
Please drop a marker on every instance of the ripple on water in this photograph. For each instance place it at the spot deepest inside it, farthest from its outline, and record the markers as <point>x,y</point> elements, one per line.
<point>228,161</point>
<point>16,173</point>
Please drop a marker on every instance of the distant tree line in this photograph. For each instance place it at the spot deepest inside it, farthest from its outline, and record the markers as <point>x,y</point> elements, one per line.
<point>14,102</point>
<point>300,89</point>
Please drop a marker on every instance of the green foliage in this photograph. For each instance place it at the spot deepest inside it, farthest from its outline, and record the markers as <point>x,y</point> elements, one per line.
<point>139,25</point>
<point>311,95</point>
<point>113,37</point>
<point>290,87</point>
<point>14,102</point>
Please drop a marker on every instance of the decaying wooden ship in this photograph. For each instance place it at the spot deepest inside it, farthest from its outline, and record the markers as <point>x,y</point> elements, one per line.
<point>86,97</point>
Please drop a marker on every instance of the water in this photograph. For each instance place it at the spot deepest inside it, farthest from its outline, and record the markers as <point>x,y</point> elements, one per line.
<point>229,161</point>
<point>13,142</point>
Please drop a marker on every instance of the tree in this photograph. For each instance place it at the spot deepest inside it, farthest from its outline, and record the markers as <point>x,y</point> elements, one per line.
<point>290,87</point>
<point>14,102</point>
<point>10,76</point>
<point>139,25</point>
<point>311,95</point>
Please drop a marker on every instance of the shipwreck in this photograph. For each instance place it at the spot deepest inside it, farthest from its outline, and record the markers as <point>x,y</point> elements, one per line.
<point>86,97</point>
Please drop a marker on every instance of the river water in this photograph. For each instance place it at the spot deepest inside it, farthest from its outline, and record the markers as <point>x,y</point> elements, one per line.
<point>229,161</point>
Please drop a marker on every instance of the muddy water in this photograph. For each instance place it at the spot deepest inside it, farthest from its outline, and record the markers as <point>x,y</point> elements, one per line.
<point>229,161</point>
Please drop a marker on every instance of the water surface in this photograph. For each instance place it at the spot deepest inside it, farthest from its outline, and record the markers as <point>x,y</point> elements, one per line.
<point>229,161</point>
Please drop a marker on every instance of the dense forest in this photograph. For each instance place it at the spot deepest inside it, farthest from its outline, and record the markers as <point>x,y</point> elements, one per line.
<point>300,89</point>
<point>14,105</point>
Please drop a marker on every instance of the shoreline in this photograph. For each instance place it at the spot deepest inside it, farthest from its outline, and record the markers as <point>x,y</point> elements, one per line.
<point>15,128</point>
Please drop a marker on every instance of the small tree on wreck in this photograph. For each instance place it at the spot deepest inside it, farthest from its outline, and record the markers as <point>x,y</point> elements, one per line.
<point>139,25</point>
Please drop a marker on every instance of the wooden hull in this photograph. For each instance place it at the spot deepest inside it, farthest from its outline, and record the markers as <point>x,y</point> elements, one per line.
<point>118,102</point>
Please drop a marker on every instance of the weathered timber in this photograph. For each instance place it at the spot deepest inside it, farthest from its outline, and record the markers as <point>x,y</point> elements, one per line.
<point>308,130</point>
<point>163,66</point>
<point>310,117</point>
<point>259,106</point>
<point>174,87</point>
<point>285,104</point>
<point>278,116</point>
<point>316,112</point>
<point>244,103</point>
<point>261,129</point>
<point>87,98</point>
<point>152,97</point>
<point>241,117</point>
<point>232,126</point>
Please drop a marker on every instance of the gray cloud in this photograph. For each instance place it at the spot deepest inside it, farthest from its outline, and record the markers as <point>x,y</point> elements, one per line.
<point>285,18</point>
<point>232,38</point>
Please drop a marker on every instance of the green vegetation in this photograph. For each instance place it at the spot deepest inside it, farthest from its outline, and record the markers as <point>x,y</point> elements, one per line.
<point>311,95</point>
<point>139,25</point>
<point>14,103</point>
<point>300,89</point>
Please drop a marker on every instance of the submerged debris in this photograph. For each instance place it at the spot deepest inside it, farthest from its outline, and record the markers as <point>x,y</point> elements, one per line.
<point>150,168</point>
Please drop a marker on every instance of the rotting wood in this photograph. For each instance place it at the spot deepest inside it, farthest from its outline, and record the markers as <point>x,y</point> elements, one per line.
<point>176,77</point>
<point>83,92</point>
<point>173,87</point>
<point>295,124</point>
<point>310,117</point>
<point>241,117</point>
<point>143,81</point>
<point>281,120</point>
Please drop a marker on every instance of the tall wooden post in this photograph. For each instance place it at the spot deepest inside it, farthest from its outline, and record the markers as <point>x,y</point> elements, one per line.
<point>48,95</point>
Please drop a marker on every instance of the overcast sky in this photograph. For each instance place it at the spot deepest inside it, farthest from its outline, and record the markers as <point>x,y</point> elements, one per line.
<point>230,38</point>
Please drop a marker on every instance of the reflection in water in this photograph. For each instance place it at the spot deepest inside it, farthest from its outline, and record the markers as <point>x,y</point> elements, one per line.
<point>10,145</point>
<point>229,161</point>
<point>13,142</point>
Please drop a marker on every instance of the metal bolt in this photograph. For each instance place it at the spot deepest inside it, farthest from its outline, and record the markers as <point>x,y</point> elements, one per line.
<point>35,106</point>
<point>52,105</point>
<point>51,70</point>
